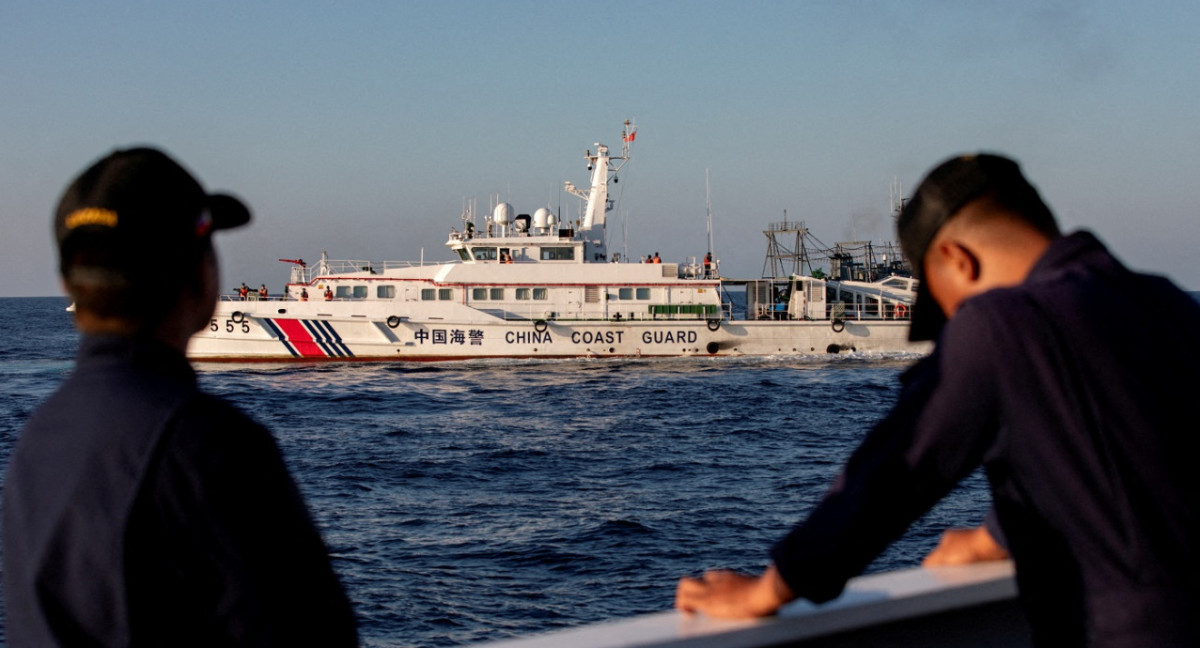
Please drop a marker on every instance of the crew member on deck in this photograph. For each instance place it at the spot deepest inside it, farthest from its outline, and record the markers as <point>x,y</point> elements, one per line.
<point>304,294</point>
<point>139,510</point>
<point>1036,377</point>
<point>244,292</point>
<point>262,292</point>
<point>328,293</point>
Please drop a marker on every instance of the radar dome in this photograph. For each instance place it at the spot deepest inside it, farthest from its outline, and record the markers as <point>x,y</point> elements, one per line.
<point>502,214</point>
<point>541,218</point>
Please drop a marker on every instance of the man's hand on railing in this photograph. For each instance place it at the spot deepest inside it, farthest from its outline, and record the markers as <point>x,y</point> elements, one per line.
<point>963,547</point>
<point>730,595</point>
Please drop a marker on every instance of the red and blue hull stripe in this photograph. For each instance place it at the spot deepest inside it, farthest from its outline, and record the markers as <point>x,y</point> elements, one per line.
<point>308,338</point>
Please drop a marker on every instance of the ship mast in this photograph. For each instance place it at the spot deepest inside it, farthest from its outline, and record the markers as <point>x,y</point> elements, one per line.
<point>708,210</point>
<point>603,169</point>
<point>897,198</point>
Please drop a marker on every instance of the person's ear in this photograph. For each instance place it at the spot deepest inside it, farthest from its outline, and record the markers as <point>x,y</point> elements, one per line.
<point>955,260</point>
<point>964,261</point>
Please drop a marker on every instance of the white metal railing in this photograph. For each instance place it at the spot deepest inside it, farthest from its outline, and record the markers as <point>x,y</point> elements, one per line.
<point>253,296</point>
<point>329,267</point>
<point>347,266</point>
<point>943,607</point>
<point>872,311</point>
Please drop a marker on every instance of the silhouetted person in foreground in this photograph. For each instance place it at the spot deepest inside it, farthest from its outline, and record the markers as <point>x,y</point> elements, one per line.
<point>137,509</point>
<point>1070,379</point>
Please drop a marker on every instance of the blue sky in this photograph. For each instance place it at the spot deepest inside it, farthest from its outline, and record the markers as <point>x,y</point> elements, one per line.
<point>360,128</point>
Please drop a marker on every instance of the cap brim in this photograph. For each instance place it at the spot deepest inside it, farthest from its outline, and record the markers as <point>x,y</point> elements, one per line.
<point>927,316</point>
<point>227,211</point>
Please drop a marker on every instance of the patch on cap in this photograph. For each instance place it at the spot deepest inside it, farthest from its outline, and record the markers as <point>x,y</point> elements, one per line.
<point>204,224</point>
<point>90,216</point>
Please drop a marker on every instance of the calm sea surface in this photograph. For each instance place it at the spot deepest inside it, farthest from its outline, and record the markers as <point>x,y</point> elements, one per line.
<point>466,502</point>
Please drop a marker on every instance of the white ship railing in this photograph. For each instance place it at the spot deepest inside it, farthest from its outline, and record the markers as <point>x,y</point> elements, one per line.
<point>944,607</point>
<point>332,267</point>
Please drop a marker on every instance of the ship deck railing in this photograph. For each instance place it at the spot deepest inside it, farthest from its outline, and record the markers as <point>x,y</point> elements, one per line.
<point>253,296</point>
<point>276,297</point>
<point>841,311</point>
<point>332,267</point>
<point>869,311</point>
<point>942,607</point>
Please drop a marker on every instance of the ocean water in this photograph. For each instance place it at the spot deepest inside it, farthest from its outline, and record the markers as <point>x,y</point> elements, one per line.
<point>474,501</point>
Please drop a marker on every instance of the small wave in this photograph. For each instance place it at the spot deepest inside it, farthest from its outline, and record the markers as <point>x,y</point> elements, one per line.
<point>517,453</point>
<point>619,530</point>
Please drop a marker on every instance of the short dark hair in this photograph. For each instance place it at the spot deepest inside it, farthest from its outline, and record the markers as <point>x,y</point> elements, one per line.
<point>953,184</point>
<point>948,188</point>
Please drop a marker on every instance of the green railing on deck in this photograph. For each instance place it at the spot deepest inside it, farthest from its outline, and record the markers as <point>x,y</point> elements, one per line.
<point>699,310</point>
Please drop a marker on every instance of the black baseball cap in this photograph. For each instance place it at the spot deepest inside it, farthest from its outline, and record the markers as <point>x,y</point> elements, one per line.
<point>138,206</point>
<point>948,188</point>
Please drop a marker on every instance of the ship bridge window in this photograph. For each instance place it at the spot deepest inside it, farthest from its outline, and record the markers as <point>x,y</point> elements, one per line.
<point>463,254</point>
<point>385,292</point>
<point>485,253</point>
<point>558,254</point>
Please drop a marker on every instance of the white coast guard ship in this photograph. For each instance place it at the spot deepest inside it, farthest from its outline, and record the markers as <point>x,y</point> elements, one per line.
<point>527,286</point>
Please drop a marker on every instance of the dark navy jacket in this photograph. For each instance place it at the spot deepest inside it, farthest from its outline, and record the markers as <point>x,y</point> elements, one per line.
<point>140,511</point>
<point>1074,390</point>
